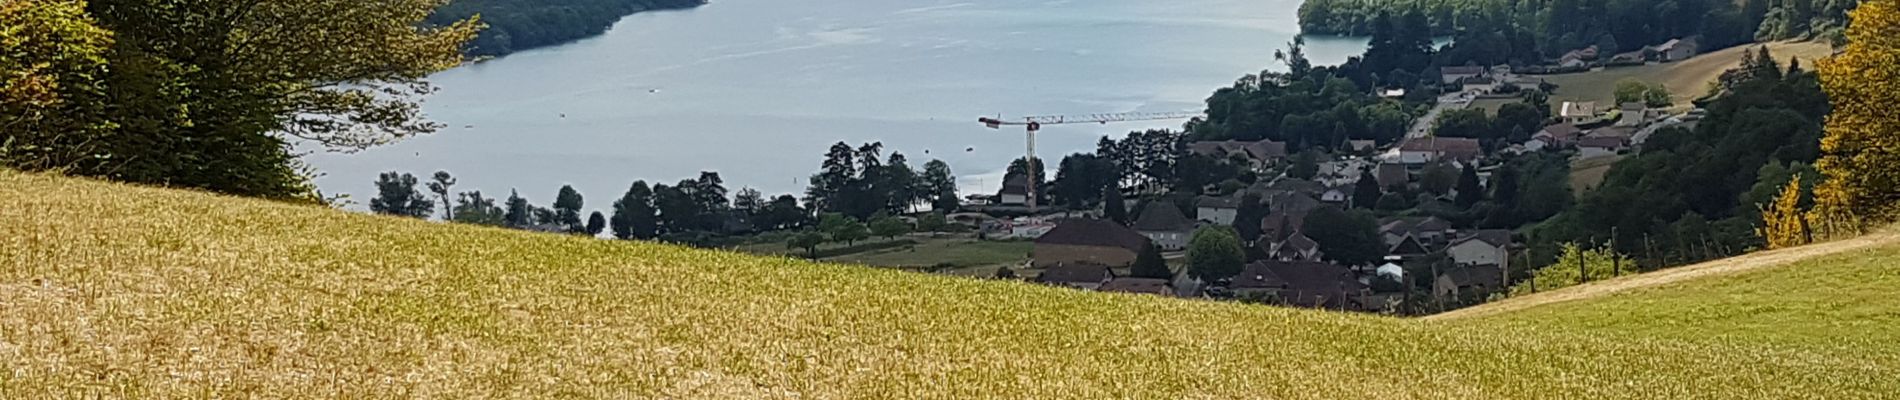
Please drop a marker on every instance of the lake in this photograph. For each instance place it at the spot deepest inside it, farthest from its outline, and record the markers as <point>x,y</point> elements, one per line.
<point>758,89</point>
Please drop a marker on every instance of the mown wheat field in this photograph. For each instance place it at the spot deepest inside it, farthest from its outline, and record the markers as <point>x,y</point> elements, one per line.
<point>110,290</point>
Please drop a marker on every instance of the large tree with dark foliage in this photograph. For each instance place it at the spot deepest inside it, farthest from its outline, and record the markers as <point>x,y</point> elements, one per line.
<point>1345,237</point>
<point>213,94</point>
<point>1149,264</point>
<point>473,208</point>
<point>396,194</point>
<point>1081,180</point>
<point>633,214</point>
<point>567,209</point>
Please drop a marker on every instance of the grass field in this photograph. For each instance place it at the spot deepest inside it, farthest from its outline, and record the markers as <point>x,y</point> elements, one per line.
<point>1686,80</point>
<point>956,254</point>
<point>116,291</point>
<point>1588,173</point>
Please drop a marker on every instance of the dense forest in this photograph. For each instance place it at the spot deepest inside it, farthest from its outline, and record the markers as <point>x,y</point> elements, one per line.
<point>516,25</point>
<point>1322,107</point>
<point>1530,31</point>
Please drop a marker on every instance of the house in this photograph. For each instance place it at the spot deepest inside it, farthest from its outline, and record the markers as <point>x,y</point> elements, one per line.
<point>1091,241</point>
<point>1433,149</point>
<point>1218,210</point>
<point>1015,191</point>
<point>1301,284</point>
<point>1392,175</point>
<point>1475,282</point>
<point>1560,134</point>
<point>1576,112</point>
<point>1600,146</point>
<point>1336,195</point>
<point>1293,203</point>
<point>1158,287</point>
<point>1397,93</point>
<point>1284,186</point>
<point>1572,61</point>
<point>1455,75</point>
<point>1485,247</point>
<point>1632,114</point>
<point>1630,58</point>
<point>1164,224</point>
<point>1362,146</point>
<point>1428,230</point>
<point>1677,49</point>
<point>1407,246</point>
<point>1082,275</point>
<point>1261,153</point>
<point>1295,247</point>
<point>1279,225</point>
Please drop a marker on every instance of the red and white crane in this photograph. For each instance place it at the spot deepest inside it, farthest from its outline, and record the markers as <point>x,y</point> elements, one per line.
<point>1035,123</point>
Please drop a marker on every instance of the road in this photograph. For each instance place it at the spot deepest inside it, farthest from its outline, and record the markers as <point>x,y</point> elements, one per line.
<point>1423,127</point>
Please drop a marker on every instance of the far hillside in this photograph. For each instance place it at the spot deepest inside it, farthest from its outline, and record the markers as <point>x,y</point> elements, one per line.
<point>517,25</point>
<point>1686,80</point>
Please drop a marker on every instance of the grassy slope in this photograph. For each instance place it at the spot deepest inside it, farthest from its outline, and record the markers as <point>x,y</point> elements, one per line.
<point>1686,80</point>
<point>115,290</point>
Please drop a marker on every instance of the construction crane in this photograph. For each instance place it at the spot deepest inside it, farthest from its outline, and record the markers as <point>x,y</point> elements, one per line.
<point>1033,124</point>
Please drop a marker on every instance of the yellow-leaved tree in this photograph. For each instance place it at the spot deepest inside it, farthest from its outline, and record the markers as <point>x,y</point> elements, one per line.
<point>1782,224</point>
<point>1860,156</point>
<point>49,82</point>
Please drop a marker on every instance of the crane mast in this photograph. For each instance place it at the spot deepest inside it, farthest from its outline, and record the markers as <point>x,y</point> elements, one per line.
<point>1032,124</point>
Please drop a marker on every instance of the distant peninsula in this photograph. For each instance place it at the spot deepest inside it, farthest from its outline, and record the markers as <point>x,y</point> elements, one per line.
<point>518,25</point>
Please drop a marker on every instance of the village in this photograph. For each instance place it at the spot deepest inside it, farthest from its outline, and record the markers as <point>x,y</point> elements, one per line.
<point>1425,263</point>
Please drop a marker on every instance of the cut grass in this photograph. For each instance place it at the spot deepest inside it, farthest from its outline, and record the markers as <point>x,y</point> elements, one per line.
<point>956,253</point>
<point>1686,80</point>
<point>109,290</point>
<point>1587,174</point>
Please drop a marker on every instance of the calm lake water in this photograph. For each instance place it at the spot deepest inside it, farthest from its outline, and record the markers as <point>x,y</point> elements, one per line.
<point>758,89</point>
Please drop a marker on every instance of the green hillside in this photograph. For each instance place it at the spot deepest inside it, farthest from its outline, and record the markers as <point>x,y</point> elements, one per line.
<point>118,291</point>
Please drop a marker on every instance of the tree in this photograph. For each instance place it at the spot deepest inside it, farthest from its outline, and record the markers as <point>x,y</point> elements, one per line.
<point>1438,178</point>
<point>634,215</point>
<point>1348,238</point>
<point>749,201</point>
<point>207,94</point>
<point>1472,123</point>
<point>520,214</point>
<point>1114,207</point>
<point>932,222</point>
<point>782,213</point>
<point>1305,165</point>
<point>808,241</point>
<point>940,185</point>
<point>596,223</point>
<point>900,184</point>
<point>1366,192</point>
<point>1247,217</point>
<point>50,86</point>
<point>1630,90</point>
<point>1080,179</point>
<point>396,195</point>
<point>472,208</point>
<point>440,184</point>
<point>678,212</point>
<point>567,209</point>
<point>888,227</point>
<point>1782,225</point>
<point>1214,253</point>
<point>1470,191</point>
<point>1862,144</point>
<point>1149,264</point>
<point>843,228</point>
